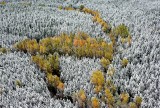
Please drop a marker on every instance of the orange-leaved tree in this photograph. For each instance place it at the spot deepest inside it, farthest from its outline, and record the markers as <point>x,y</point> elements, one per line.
<point>95,102</point>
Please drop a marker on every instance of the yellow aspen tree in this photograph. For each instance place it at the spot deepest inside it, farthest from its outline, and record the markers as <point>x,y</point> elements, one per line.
<point>82,95</point>
<point>105,63</point>
<point>138,101</point>
<point>124,62</point>
<point>47,67</point>
<point>95,102</point>
<point>108,55</point>
<point>110,98</point>
<point>132,105</point>
<point>124,98</point>
<point>42,49</point>
<point>60,86</point>
<point>97,79</point>
<point>50,78</point>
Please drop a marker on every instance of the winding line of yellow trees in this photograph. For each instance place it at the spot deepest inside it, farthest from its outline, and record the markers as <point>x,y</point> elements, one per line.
<point>45,54</point>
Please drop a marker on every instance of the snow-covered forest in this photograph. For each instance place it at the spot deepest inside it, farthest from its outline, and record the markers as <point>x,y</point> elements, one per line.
<point>23,84</point>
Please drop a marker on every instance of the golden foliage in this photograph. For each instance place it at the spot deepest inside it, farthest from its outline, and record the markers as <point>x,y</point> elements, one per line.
<point>97,78</point>
<point>47,67</point>
<point>97,89</point>
<point>95,102</point>
<point>94,19</point>
<point>46,45</point>
<point>21,46</point>
<point>28,45</point>
<point>109,95</point>
<point>124,98</point>
<point>104,62</point>
<point>69,8</point>
<point>111,71</point>
<point>53,61</point>
<point>55,81</point>
<point>121,30</point>
<point>3,3</point>
<point>108,55</point>
<point>80,44</point>
<point>124,62</point>
<point>42,49</point>
<point>32,46</point>
<point>125,40</point>
<point>82,95</point>
<point>60,86</point>
<point>39,60</point>
<point>138,100</point>
<point>18,83</point>
<point>110,85</point>
<point>132,105</point>
<point>3,50</point>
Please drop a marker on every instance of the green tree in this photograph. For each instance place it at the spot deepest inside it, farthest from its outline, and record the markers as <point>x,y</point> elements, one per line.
<point>81,7</point>
<point>3,50</point>
<point>122,30</point>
